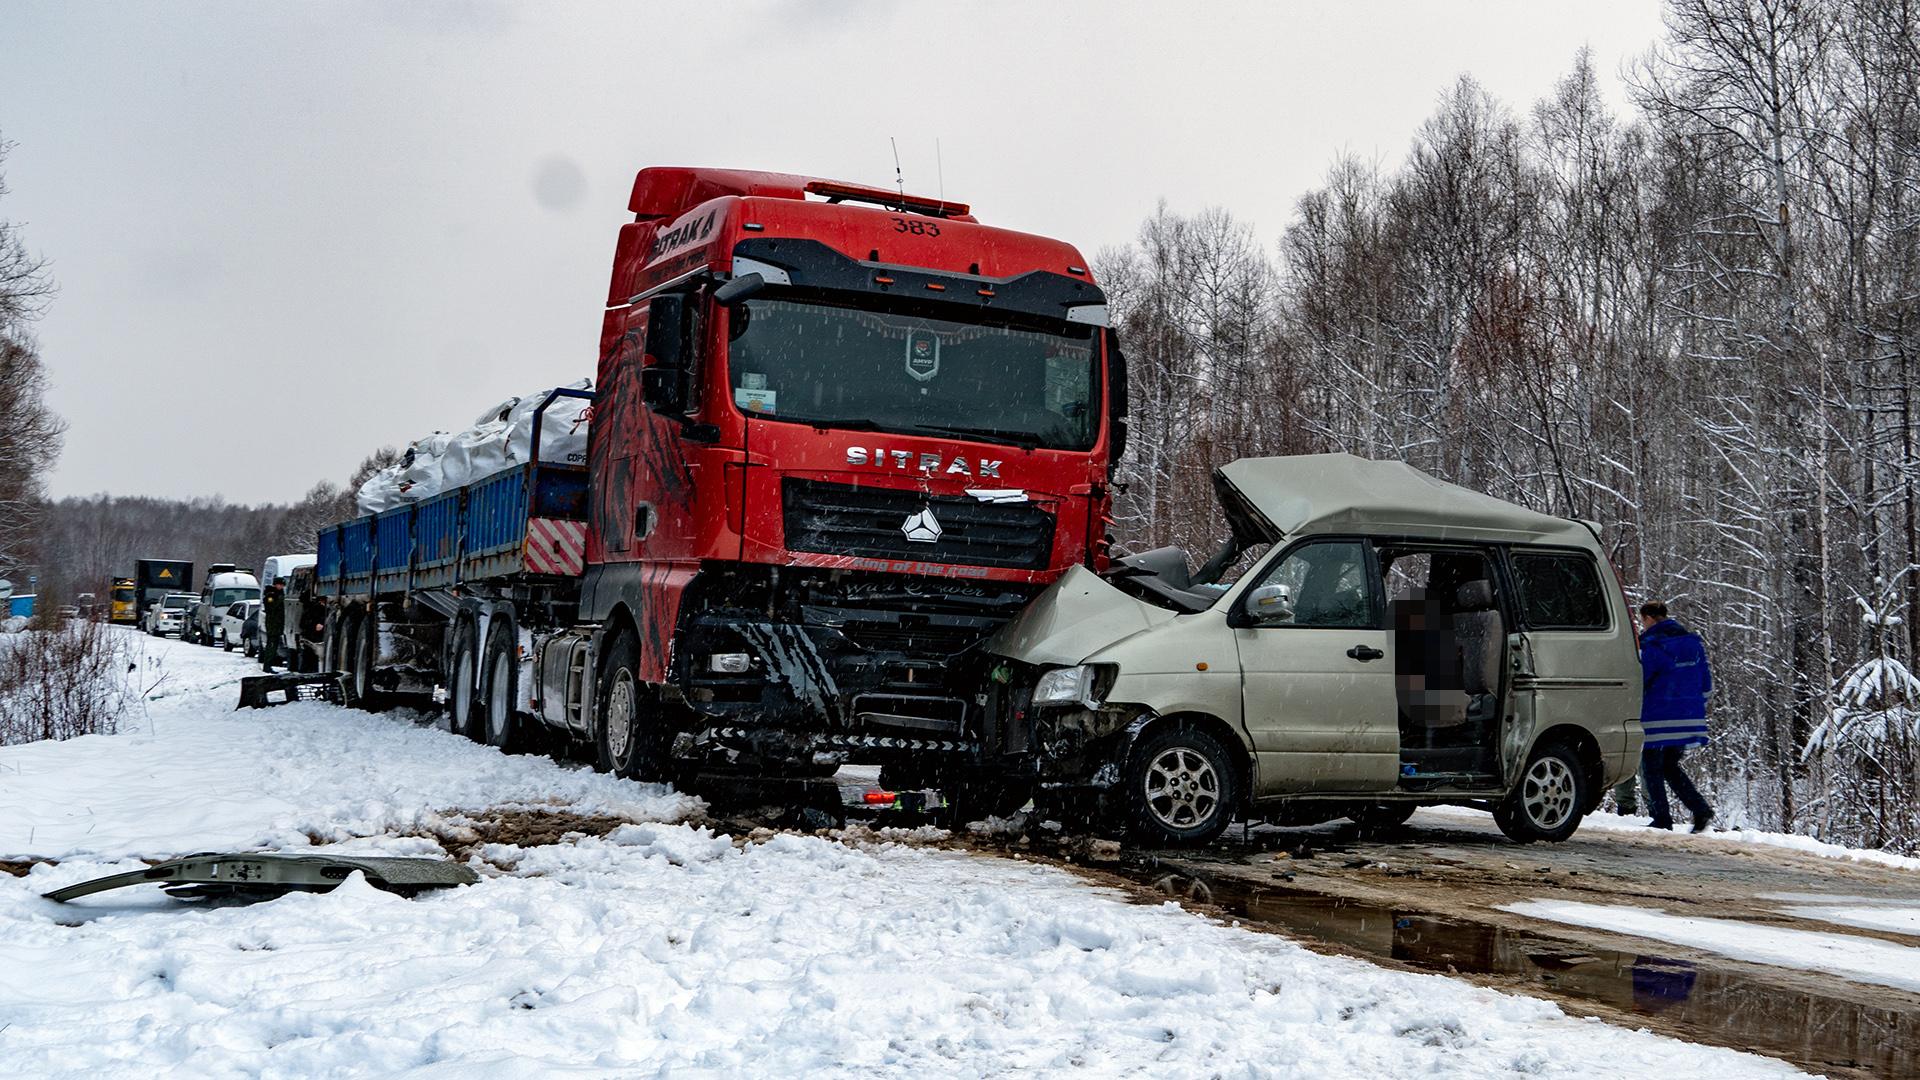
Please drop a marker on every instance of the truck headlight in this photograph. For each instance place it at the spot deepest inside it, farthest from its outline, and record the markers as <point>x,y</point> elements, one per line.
<point>1068,686</point>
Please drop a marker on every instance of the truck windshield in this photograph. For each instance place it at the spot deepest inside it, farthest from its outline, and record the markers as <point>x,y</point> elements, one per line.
<point>824,364</point>
<point>223,597</point>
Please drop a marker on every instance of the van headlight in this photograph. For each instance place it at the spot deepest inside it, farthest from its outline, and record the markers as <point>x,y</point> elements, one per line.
<point>1069,686</point>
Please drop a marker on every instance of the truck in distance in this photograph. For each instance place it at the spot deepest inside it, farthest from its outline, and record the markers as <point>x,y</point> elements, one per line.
<point>155,578</point>
<point>841,435</point>
<point>123,601</point>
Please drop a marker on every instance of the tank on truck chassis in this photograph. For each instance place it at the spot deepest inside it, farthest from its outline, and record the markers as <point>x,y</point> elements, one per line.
<point>837,442</point>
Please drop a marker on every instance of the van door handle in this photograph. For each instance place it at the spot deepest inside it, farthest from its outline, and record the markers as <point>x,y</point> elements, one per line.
<point>1364,653</point>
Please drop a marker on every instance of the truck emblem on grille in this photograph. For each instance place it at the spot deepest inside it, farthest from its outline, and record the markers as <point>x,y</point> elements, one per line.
<point>922,528</point>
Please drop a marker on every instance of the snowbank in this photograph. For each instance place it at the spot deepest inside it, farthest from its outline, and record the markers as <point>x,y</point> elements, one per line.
<point>1637,827</point>
<point>1846,955</point>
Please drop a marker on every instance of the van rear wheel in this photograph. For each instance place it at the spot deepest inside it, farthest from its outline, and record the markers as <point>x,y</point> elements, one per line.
<point>1181,788</point>
<point>1550,799</point>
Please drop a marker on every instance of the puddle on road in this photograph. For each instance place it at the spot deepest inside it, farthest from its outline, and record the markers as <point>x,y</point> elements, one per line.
<point>1704,1004</point>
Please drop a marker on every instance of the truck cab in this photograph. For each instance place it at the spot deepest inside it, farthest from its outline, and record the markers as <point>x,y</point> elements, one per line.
<point>842,435</point>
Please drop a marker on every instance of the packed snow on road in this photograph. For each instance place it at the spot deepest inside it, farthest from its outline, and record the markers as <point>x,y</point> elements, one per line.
<point>660,946</point>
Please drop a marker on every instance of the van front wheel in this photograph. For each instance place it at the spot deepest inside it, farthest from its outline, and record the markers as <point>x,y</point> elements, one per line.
<point>1550,799</point>
<point>1181,788</point>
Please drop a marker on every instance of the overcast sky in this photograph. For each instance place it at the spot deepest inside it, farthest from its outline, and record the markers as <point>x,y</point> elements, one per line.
<point>285,234</point>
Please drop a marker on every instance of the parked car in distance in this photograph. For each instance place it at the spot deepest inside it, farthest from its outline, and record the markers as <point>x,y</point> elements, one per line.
<point>225,587</point>
<point>239,625</point>
<point>168,615</point>
<point>1396,641</point>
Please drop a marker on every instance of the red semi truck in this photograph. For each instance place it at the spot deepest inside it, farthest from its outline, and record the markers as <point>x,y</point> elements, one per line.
<point>840,436</point>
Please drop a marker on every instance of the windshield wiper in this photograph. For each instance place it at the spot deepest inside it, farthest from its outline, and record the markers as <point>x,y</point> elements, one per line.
<point>1022,439</point>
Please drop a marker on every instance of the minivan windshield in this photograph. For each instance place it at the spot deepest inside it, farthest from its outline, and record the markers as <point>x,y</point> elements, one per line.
<point>175,603</point>
<point>223,597</point>
<point>830,365</point>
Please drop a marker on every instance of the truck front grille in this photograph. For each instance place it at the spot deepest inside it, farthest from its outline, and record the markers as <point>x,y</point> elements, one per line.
<point>875,522</point>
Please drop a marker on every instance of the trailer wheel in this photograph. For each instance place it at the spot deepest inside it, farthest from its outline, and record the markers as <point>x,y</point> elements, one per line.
<point>365,643</point>
<point>626,732</point>
<point>500,723</point>
<point>464,692</point>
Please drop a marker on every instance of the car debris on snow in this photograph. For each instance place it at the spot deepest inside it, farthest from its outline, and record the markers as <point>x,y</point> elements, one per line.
<point>266,873</point>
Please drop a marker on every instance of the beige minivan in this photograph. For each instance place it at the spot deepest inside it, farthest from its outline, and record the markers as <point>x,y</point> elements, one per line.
<point>1370,640</point>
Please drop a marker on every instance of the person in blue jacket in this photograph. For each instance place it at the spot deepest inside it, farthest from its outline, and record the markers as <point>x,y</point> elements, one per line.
<point>1673,709</point>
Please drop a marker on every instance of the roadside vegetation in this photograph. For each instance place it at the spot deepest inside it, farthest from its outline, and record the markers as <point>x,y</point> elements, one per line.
<point>61,681</point>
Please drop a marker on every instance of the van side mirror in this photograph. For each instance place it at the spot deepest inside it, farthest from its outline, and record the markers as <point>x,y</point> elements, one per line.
<point>666,382</point>
<point>1269,604</point>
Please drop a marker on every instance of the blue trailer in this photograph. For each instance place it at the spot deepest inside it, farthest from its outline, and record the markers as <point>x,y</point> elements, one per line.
<point>426,596</point>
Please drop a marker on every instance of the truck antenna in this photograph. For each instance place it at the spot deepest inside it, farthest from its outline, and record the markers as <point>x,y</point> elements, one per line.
<point>939,169</point>
<point>899,177</point>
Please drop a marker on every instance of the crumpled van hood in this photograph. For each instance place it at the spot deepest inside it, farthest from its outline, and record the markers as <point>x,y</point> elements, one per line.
<point>1076,617</point>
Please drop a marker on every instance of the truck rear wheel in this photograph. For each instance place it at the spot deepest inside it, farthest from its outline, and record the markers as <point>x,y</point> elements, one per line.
<point>465,689</point>
<point>626,731</point>
<point>500,724</point>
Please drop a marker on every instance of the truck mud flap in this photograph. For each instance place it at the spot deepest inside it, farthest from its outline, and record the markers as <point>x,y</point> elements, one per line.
<point>266,875</point>
<point>262,691</point>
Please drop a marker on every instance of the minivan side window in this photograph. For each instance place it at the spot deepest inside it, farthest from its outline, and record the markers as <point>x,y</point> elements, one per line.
<point>1329,585</point>
<point>1560,591</point>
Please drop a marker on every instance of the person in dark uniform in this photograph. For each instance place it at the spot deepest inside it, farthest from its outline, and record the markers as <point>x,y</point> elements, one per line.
<point>273,617</point>
<point>1673,710</point>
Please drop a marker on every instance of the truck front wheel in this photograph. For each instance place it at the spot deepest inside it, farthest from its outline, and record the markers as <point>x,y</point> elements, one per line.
<point>626,732</point>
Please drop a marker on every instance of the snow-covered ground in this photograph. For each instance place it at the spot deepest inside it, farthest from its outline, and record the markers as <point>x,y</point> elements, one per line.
<point>659,949</point>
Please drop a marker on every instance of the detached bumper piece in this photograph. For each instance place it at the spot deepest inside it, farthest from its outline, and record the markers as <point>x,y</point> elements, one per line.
<point>263,876</point>
<point>259,691</point>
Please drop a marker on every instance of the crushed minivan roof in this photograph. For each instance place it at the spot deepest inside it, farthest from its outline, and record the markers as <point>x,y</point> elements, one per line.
<point>1343,493</point>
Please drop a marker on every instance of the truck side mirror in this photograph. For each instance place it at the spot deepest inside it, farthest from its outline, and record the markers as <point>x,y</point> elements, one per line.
<point>738,289</point>
<point>666,383</point>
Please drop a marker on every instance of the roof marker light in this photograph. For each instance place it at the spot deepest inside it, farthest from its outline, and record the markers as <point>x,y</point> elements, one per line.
<point>1076,270</point>
<point>752,226</point>
<point>882,279</point>
<point>936,286</point>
